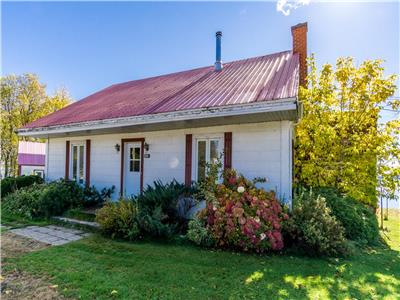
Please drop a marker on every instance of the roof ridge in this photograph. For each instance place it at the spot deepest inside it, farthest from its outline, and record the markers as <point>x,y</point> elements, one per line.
<point>258,57</point>
<point>226,64</point>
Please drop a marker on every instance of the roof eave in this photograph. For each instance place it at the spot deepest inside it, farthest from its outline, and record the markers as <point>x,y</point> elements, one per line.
<point>270,106</point>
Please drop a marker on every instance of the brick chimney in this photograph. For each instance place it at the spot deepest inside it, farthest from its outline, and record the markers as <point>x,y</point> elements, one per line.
<point>299,36</point>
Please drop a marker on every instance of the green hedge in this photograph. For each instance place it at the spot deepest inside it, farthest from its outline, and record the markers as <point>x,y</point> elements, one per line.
<point>11,184</point>
<point>359,221</point>
<point>43,200</point>
<point>313,229</point>
<point>38,199</point>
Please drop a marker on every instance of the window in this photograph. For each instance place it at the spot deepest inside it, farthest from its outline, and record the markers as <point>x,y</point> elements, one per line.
<point>78,162</point>
<point>208,150</point>
<point>38,173</point>
<point>134,159</point>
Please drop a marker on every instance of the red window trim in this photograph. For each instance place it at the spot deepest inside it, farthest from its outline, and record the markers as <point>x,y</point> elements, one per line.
<point>188,159</point>
<point>67,145</point>
<point>123,141</point>
<point>228,150</point>
<point>87,171</point>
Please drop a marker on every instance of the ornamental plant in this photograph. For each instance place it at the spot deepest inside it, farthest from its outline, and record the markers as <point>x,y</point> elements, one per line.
<point>241,216</point>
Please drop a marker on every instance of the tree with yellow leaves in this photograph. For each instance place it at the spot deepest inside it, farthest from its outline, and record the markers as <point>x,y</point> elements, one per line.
<point>339,141</point>
<point>23,100</point>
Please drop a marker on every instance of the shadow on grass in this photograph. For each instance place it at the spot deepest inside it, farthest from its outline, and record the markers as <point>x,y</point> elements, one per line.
<point>94,267</point>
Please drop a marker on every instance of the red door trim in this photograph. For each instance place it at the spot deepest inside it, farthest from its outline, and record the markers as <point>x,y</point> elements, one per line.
<point>123,141</point>
<point>67,149</point>
<point>228,150</point>
<point>188,160</point>
<point>87,172</point>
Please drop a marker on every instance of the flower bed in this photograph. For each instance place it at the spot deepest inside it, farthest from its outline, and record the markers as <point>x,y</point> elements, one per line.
<point>241,216</point>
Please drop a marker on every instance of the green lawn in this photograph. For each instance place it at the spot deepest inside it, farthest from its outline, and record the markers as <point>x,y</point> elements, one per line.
<point>103,269</point>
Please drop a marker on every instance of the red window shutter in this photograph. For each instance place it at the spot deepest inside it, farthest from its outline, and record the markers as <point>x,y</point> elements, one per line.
<point>67,160</point>
<point>87,177</point>
<point>188,160</point>
<point>228,150</point>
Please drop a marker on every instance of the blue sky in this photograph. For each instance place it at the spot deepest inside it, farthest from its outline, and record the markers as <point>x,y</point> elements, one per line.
<point>86,46</point>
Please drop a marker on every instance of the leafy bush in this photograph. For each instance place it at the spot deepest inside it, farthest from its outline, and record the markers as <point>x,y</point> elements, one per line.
<point>314,229</point>
<point>158,213</point>
<point>119,219</point>
<point>239,215</point>
<point>198,233</point>
<point>358,220</point>
<point>44,200</point>
<point>93,197</point>
<point>11,184</point>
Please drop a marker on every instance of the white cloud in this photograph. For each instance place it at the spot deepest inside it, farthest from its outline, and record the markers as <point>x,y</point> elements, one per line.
<point>285,6</point>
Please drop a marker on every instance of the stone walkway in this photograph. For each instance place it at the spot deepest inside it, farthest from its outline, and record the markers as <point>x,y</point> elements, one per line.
<point>79,222</point>
<point>53,235</point>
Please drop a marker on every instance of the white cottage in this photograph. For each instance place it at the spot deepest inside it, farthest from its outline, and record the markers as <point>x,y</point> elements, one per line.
<point>167,127</point>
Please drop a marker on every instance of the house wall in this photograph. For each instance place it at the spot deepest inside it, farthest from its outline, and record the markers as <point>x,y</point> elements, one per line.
<point>258,150</point>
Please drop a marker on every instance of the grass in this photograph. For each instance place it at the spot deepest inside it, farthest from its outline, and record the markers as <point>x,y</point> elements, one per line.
<point>15,221</point>
<point>104,269</point>
<point>391,232</point>
<point>78,214</point>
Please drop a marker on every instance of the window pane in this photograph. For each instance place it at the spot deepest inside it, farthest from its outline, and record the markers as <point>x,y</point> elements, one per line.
<point>214,151</point>
<point>136,165</point>
<point>131,153</point>
<point>137,153</point>
<point>81,163</point>
<point>201,160</point>
<point>131,166</point>
<point>74,162</point>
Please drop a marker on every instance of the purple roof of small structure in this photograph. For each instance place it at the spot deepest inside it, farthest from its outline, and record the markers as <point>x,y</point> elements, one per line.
<point>31,153</point>
<point>28,159</point>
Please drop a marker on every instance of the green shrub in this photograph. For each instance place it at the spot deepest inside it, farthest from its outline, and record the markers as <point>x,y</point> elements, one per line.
<point>23,202</point>
<point>153,213</point>
<point>198,233</point>
<point>119,219</point>
<point>358,220</point>
<point>158,209</point>
<point>43,200</point>
<point>314,229</point>
<point>11,184</point>
<point>93,197</point>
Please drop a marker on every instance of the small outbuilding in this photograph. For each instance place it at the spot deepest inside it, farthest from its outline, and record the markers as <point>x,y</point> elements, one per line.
<point>31,158</point>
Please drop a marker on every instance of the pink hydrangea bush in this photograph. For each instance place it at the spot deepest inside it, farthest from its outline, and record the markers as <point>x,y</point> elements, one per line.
<point>242,216</point>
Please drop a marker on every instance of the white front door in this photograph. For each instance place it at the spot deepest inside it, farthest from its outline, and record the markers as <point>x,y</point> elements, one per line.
<point>132,168</point>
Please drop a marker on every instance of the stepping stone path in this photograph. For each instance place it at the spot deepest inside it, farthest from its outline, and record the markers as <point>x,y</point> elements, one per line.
<point>53,235</point>
<point>79,222</point>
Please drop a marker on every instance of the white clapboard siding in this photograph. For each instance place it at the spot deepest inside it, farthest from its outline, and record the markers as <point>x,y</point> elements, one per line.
<point>258,150</point>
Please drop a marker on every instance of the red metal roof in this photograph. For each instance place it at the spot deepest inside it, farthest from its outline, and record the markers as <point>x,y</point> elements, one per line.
<point>263,78</point>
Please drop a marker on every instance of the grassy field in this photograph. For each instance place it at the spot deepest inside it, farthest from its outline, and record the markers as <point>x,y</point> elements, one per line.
<point>99,268</point>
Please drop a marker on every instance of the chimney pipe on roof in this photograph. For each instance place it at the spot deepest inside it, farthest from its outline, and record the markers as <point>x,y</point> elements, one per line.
<point>299,35</point>
<point>218,62</point>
